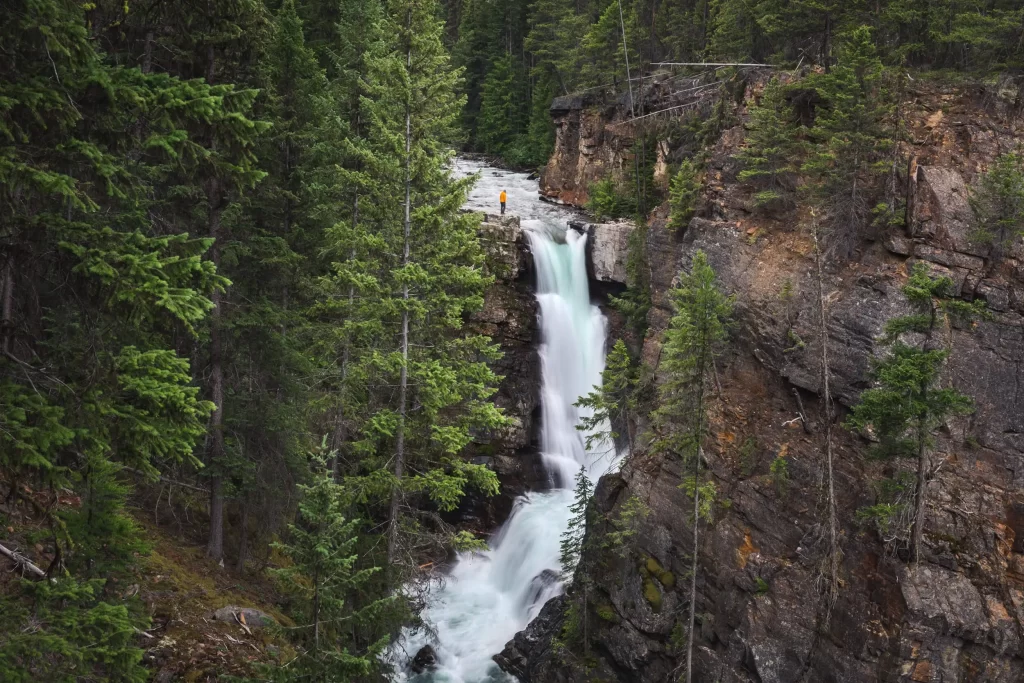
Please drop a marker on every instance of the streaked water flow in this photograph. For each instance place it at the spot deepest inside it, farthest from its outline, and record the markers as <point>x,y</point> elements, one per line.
<point>489,596</point>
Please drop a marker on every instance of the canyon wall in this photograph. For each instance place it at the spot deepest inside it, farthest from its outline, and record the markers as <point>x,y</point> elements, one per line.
<point>957,614</point>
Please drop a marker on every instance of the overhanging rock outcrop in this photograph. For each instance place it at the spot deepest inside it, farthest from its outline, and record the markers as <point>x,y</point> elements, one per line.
<point>607,250</point>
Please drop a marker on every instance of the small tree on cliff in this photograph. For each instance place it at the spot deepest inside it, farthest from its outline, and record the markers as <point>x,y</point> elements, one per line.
<point>848,141</point>
<point>769,149</point>
<point>571,555</point>
<point>907,404</point>
<point>614,402</point>
<point>683,192</point>
<point>693,340</point>
<point>998,204</point>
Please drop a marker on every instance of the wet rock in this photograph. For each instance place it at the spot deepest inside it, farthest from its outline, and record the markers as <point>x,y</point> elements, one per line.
<point>540,585</point>
<point>425,660</point>
<point>608,250</point>
<point>529,655</point>
<point>253,618</point>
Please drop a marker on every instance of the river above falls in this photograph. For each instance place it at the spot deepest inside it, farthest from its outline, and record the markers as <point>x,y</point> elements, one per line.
<point>487,597</point>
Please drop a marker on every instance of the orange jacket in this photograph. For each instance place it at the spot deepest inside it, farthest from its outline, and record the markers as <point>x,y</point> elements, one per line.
<point>502,197</point>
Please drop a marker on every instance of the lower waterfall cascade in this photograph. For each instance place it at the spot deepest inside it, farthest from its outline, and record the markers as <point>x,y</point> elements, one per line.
<point>489,596</point>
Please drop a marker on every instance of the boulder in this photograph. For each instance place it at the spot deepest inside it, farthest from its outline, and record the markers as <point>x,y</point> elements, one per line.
<point>941,211</point>
<point>425,660</point>
<point>253,618</point>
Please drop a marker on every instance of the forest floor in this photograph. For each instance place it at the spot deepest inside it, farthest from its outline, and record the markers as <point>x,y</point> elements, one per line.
<point>177,587</point>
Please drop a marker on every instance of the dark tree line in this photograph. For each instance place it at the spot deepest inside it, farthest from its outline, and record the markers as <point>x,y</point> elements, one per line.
<point>520,54</point>
<point>232,257</point>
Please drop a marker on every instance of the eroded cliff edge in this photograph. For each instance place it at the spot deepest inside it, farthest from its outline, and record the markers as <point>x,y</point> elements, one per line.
<point>956,616</point>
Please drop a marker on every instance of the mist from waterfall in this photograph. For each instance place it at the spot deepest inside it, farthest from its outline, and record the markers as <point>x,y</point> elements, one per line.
<point>489,596</point>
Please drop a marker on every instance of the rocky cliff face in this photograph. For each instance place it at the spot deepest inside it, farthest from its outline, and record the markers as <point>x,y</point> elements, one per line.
<point>958,615</point>
<point>509,317</point>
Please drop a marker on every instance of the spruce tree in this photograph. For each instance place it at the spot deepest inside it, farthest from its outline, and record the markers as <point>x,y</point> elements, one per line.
<point>553,41</point>
<point>426,383</point>
<point>908,405</point>
<point>610,42</point>
<point>998,204</point>
<point>769,146</point>
<point>684,192</point>
<point>572,549</point>
<point>499,117</point>
<point>571,544</point>
<point>693,340</point>
<point>326,577</point>
<point>613,403</point>
<point>848,141</point>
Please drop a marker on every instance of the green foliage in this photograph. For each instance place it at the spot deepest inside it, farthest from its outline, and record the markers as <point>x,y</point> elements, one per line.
<point>684,192</point>
<point>707,496</point>
<point>695,336</point>
<point>891,515</point>
<point>426,280</point>
<point>626,525</point>
<point>106,540</point>
<point>572,541</point>
<point>74,635</point>
<point>608,199</point>
<point>611,404</point>
<point>499,108</point>
<point>325,576</point>
<point>848,141</point>
<point>635,302</point>
<point>767,156</point>
<point>748,456</point>
<point>998,203</point>
<point>780,475</point>
<point>907,404</point>
<point>602,44</point>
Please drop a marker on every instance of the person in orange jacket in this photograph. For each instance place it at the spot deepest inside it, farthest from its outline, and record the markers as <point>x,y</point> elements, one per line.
<point>501,199</point>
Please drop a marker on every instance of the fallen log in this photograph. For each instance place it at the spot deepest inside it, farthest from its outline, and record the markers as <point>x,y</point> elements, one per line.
<point>22,561</point>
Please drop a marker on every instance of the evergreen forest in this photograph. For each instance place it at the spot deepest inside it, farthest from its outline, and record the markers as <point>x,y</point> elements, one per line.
<point>235,270</point>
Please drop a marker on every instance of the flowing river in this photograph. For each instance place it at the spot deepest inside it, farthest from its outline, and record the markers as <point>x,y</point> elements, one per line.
<point>487,597</point>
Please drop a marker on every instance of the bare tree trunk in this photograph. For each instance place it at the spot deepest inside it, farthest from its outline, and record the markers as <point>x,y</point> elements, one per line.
<point>243,541</point>
<point>147,55</point>
<point>625,54</point>
<point>834,555</point>
<point>7,308</point>
<point>403,379</point>
<point>316,611</point>
<point>215,544</point>
<point>693,566</point>
<point>919,495</point>
<point>698,458</point>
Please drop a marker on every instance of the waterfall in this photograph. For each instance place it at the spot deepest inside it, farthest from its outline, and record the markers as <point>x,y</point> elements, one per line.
<point>489,596</point>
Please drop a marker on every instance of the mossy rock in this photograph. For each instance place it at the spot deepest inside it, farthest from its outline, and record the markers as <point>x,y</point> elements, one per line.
<point>654,568</point>
<point>606,612</point>
<point>652,594</point>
